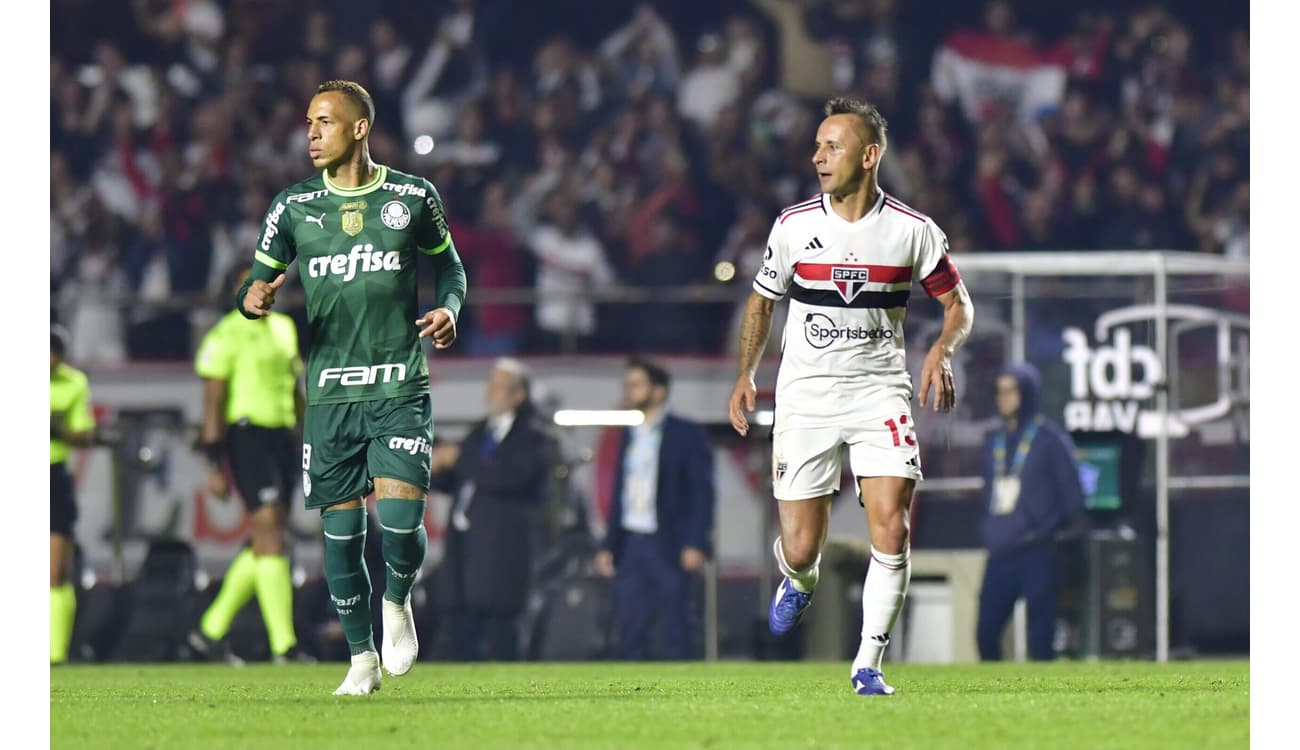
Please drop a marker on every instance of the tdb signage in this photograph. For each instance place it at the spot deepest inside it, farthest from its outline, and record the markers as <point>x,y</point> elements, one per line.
<point>1113,383</point>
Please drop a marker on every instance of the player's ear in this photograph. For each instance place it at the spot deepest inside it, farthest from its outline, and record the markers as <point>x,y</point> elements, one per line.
<point>361,129</point>
<point>871,155</point>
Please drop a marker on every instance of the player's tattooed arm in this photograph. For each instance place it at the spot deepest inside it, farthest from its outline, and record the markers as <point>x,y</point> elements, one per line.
<point>754,331</point>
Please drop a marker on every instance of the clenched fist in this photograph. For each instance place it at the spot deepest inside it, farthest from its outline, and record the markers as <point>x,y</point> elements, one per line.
<point>261,296</point>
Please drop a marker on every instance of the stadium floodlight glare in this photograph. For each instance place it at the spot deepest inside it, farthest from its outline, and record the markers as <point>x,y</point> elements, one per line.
<point>423,144</point>
<point>764,418</point>
<point>598,417</point>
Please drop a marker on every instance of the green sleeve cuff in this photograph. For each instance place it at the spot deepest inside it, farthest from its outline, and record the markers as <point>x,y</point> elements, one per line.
<point>451,283</point>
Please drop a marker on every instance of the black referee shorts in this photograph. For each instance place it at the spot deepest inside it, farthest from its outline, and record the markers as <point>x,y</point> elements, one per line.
<point>63,501</point>
<point>265,463</point>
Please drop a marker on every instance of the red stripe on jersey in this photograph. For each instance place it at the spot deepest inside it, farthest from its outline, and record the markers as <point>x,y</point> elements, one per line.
<point>902,210</point>
<point>875,274</point>
<point>814,207</point>
<point>943,279</point>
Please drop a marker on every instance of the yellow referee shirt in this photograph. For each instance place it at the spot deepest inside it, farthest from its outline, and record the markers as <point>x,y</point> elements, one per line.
<point>259,361</point>
<point>69,407</point>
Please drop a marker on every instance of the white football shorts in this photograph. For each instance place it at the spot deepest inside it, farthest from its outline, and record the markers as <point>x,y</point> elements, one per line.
<point>806,460</point>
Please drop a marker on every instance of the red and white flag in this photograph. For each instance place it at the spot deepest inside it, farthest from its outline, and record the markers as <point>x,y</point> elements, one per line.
<point>983,71</point>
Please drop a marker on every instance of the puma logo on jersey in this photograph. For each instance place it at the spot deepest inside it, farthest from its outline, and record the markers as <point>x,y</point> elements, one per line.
<point>320,222</point>
<point>346,264</point>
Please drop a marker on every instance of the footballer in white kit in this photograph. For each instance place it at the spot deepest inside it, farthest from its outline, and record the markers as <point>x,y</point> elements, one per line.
<point>847,260</point>
<point>843,376</point>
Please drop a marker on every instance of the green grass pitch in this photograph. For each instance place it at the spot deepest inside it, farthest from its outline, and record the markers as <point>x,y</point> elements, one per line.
<point>614,705</point>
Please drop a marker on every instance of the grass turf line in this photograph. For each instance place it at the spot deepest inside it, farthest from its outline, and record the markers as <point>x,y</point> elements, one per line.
<point>692,705</point>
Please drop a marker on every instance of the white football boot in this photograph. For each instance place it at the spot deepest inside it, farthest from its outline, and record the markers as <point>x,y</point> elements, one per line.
<point>400,646</point>
<point>363,677</point>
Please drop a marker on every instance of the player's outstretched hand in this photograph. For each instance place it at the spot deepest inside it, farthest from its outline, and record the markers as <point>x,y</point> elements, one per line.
<point>743,398</point>
<point>261,296</point>
<point>937,373</point>
<point>440,325</point>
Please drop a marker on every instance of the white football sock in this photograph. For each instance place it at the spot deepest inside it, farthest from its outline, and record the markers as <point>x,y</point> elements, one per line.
<point>803,580</point>
<point>883,593</point>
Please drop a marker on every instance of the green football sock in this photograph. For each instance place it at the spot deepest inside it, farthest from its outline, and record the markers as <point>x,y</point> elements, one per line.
<point>405,543</point>
<point>63,612</point>
<point>346,574</point>
<point>236,591</point>
<point>275,598</point>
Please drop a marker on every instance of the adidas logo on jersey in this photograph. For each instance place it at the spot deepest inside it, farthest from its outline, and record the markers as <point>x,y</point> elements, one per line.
<point>816,244</point>
<point>345,264</point>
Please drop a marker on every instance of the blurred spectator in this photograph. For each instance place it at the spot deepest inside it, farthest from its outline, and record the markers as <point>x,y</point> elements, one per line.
<point>571,263</point>
<point>390,61</point>
<point>660,527</point>
<point>471,154</point>
<point>452,71</point>
<point>711,83</point>
<point>498,477</point>
<point>642,54</point>
<point>495,259</point>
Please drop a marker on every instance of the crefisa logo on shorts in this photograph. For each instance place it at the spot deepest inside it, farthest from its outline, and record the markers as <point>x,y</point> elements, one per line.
<point>411,445</point>
<point>820,331</point>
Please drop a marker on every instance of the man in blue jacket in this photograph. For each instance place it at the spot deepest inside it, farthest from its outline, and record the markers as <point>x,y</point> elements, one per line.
<point>1031,491</point>
<point>660,520</point>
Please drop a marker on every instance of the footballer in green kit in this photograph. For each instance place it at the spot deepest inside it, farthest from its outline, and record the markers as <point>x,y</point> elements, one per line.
<point>357,231</point>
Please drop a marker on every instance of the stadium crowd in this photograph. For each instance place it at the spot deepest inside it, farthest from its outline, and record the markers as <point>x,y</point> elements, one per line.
<point>634,151</point>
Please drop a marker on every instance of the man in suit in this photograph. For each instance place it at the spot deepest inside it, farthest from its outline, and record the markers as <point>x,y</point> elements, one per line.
<point>498,477</point>
<point>660,523</point>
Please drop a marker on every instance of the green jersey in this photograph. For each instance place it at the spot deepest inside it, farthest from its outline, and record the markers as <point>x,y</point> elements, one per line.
<point>356,250</point>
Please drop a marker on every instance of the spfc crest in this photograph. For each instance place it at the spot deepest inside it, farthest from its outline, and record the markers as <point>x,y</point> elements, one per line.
<point>849,281</point>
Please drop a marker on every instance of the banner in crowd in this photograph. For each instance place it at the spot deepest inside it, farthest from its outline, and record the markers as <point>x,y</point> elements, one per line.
<point>983,71</point>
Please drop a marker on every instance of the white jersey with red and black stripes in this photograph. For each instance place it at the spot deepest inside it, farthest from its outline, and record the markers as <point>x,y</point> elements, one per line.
<point>842,352</point>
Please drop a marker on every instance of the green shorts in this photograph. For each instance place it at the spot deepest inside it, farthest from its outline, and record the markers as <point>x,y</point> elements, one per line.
<point>345,446</point>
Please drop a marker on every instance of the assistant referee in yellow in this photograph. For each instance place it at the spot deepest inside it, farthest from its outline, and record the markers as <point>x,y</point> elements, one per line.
<point>71,425</point>
<point>252,401</point>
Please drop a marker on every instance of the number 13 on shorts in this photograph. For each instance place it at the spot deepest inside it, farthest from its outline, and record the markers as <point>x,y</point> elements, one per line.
<point>806,460</point>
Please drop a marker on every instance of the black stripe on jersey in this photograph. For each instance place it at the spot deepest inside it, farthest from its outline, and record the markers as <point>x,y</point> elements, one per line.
<point>768,288</point>
<point>866,299</point>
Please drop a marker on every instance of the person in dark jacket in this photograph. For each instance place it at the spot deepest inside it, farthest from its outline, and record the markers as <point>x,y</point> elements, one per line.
<point>660,524</point>
<point>498,477</point>
<point>1032,491</point>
